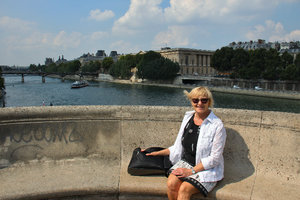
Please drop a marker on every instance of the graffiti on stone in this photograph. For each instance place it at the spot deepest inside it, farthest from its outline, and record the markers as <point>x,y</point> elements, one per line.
<point>47,137</point>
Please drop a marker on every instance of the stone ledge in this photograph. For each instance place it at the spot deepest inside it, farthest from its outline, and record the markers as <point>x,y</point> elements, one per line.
<point>59,178</point>
<point>261,153</point>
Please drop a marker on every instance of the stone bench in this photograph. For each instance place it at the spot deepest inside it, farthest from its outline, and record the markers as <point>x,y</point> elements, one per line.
<point>82,152</point>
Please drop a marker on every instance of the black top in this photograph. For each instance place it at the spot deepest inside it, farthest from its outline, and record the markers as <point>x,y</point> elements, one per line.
<point>189,142</point>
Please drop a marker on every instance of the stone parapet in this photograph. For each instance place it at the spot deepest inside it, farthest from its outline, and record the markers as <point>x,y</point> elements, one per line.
<point>63,152</point>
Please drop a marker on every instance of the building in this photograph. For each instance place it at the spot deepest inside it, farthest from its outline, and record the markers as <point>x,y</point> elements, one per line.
<point>253,45</point>
<point>290,47</point>
<point>61,60</point>
<point>50,61</point>
<point>100,55</point>
<point>191,61</point>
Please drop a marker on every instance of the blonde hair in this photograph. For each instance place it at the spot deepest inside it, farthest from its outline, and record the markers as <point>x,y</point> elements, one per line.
<point>200,92</point>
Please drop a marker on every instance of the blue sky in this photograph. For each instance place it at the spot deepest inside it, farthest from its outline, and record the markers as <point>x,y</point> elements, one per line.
<point>31,30</point>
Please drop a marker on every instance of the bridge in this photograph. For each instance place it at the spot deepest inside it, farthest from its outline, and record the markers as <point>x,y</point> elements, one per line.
<point>44,74</point>
<point>195,79</point>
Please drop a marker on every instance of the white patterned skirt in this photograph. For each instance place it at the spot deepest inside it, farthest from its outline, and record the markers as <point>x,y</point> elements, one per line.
<point>194,179</point>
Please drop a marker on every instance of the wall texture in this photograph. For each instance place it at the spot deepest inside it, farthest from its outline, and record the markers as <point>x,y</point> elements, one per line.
<point>53,152</point>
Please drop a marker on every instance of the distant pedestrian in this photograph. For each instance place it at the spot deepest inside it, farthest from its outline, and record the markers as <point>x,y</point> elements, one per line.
<point>51,104</point>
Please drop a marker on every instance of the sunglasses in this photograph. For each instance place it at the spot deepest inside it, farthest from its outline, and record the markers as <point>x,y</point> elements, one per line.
<point>204,100</point>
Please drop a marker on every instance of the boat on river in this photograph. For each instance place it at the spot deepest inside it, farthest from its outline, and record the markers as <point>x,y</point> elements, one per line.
<point>79,84</point>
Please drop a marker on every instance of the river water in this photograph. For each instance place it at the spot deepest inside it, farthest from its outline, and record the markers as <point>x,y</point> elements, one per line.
<point>35,93</point>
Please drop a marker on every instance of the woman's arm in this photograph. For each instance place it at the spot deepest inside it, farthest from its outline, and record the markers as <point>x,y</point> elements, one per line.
<point>164,152</point>
<point>184,172</point>
<point>217,149</point>
<point>209,162</point>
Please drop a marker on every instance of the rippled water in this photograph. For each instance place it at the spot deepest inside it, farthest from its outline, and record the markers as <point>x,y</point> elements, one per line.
<point>35,93</point>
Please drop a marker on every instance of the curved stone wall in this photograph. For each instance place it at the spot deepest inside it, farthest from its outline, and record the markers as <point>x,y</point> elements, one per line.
<point>58,152</point>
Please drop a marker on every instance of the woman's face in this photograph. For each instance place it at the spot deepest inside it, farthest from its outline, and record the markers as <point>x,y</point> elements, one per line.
<point>200,104</point>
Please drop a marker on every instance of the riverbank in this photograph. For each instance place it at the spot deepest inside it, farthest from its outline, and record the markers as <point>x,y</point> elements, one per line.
<point>261,93</point>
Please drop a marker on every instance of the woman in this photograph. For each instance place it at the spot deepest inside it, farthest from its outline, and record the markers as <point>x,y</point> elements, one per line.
<point>197,153</point>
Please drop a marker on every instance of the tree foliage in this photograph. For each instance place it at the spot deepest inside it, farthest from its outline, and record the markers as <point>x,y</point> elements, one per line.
<point>297,61</point>
<point>222,58</point>
<point>122,68</point>
<point>107,63</point>
<point>155,67</point>
<point>68,67</point>
<point>287,59</point>
<point>1,79</point>
<point>150,65</point>
<point>33,67</point>
<point>92,66</point>
<point>256,64</point>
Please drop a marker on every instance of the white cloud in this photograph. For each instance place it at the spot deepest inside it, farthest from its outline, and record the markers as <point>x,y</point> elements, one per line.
<point>101,16</point>
<point>124,46</point>
<point>174,36</point>
<point>21,34</point>
<point>65,40</point>
<point>142,16</point>
<point>98,35</point>
<point>272,32</point>
<point>215,10</point>
<point>15,24</point>
<point>294,35</point>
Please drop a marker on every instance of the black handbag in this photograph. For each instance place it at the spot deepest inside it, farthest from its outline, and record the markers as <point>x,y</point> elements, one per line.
<point>142,165</point>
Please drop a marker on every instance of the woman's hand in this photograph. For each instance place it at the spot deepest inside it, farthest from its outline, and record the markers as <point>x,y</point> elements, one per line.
<point>154,153</point>
<point>164,152</point>
<point>182,172</point>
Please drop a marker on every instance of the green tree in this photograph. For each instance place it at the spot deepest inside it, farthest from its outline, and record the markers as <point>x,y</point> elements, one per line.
<point>73,66</point>
<point>221,60</point>
<point>287,59</point>
<point>1,82</point>
<point>257,59</point>
<point>1,79</point>
<point>33,68</point>
<point>297,61</point>
<point>107,63</point>
<point>169,69</point>
<point>291,72</point>
<point>52,68</point>
<point>155,67</point>
<point>122,68</point>
<point>240,59</point>
<point>249,73</point>
<point>255,66</point>
<point>148,64</point>
<point>62,68</point>
<point>273,65</point>
<point>92,66</point>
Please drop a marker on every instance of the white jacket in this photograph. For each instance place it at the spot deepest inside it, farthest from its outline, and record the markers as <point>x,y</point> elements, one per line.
<point>210,145</point>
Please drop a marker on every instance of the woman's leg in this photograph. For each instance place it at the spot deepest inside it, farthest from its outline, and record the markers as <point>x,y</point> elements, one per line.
<point>173,184</point>
<point>186,190</point>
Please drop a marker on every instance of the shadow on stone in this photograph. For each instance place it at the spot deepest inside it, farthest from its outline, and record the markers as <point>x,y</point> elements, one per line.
<point>236,157</point>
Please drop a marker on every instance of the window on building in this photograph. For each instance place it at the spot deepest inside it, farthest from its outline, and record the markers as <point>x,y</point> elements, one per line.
<point>186,60</point>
